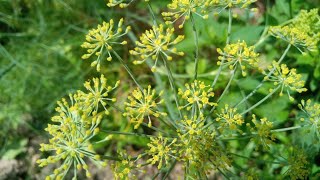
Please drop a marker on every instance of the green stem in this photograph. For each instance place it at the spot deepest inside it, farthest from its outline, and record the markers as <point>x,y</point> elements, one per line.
<point>243,95</point>
<point>156,175</point>
<point>158,82</point>
<point>196,42</point>
<point>111,158</point>
<point>288,128</point>
<point>168,104</point>
<point>127,69</point>
<point>246,136</point>
<point>227,42</point>
<point>158,79</point>
<point>265,34</point>
<point>228,85</point>
<point>173,127</point>
<point>227,177</point>
<point>224,91</point>
<point>152,14</point>
<point>116,107</point>
<point>169,170</point>
<point>130,134</point>
<point>263,37</point>
<point>117,158</point>
<point>155,128</point>
<point>262,82</point>
<point>290,9</point>
<point>236,137</point>
<point>283,55</point>
<point>187,76</point>
<point>229,27</point>
<point>172,85</point>
<point>261,101</point>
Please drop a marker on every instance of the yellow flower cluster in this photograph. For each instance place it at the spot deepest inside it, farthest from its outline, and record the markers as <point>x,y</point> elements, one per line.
<point>238,54</point>
<point>262,132</point>
<point>156,42</point>
<point>197,146</point>
<point>309,22</point>
<point>102,39</point>
<point>303,32</point>
<point>298,165</point>
<point>312,110</point>
<point>98,94</point>
<point>122,169</point>
<point>251,174</point>
<point>196,93</point>
<point>229,118</point>
<point>161,150</point>
<point>120,3</point>
<point>286,78</point>
<point>192,126</point>
<point>143,104</point>
<point>76,123</point>
<point>184,8</point>
<point>70,140</point>
<point>295,36</point>
<point>233,3</point>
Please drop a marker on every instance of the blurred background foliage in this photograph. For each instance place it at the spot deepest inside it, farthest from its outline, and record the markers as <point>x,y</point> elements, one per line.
<point>40,63</point>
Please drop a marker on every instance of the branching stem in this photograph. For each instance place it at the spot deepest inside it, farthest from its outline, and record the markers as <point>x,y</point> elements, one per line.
<point>172,84</point>
<point>128,70</point>
<point>262,82</point>
<point>227,42</point>
<point>261,101</point>
<point>196,42</point>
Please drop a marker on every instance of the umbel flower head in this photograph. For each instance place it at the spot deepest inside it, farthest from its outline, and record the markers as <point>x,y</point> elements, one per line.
<point>102,39</point>
<point>298,164</point>
<point>196,93</point>
<point>197,146</point>
<point>262,132</point>
<point>312,111</point>
<point>123,169</point>
<point>309,22</point>
<point>161,150</point>
<point>294,36</point>
<point>120,3</point>
<point>97,94</point>
<point>238,54</point>
<point>70,140</point>
<point>184,8</point>
<point>143,104</point>
<point>232,3</point>
<point>286,78</point>
<point>303,32</point>
<point>229,118</point>
<point>156,42</point>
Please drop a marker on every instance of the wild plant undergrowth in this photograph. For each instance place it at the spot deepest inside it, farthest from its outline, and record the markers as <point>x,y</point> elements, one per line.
<point>192,124</point>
